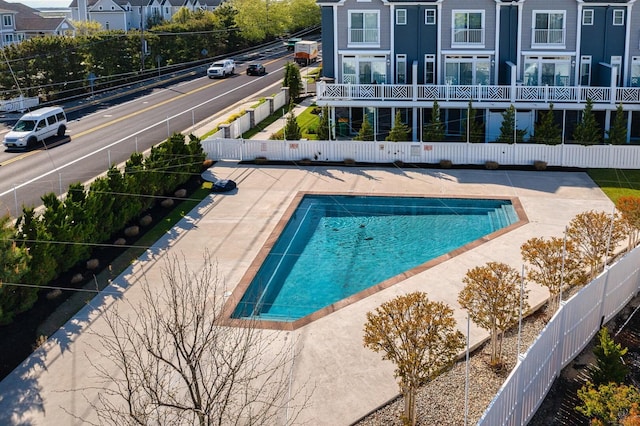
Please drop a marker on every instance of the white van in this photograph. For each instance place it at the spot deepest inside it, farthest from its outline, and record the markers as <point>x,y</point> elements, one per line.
<point>36,126</point>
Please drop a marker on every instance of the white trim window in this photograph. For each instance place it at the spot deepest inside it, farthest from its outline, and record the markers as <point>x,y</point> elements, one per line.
<point>364,69</point>
<point>430,17</point>
<point>349,75</point>
<point>467,70</point>
<point>547,70</point>
<point>401,69</point>
<point>587,17</point>
<point>635,71</point>
<point>616,61</point>
<point>429,69</point>
<point>7,20</point>
<point>401,16</point>
<point>585,70</point>
<point>467,27</point>
<point>364,27</point>
<point>548,28</point>
<point>618,17</point>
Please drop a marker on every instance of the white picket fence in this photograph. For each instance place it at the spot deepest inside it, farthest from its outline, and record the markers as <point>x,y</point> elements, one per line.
<point>564,155</point>
<point>572,327</point>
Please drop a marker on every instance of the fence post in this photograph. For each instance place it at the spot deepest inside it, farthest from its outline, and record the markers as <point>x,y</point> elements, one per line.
<point>603,297</point>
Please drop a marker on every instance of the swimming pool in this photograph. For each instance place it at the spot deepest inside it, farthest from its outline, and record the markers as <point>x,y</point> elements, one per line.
<point>334,246</point>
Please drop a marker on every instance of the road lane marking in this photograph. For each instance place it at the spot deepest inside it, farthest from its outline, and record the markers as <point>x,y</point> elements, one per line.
<point>104,148</point>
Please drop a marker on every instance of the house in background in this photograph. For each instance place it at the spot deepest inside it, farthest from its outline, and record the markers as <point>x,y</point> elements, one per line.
<point>384,56</point>
<point>20,22</point>
<point>129,15</point>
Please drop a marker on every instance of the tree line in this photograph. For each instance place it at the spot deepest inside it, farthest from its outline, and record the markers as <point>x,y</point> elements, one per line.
<point>62,67</point>
<point>420,336</point>
<point>40,246</point>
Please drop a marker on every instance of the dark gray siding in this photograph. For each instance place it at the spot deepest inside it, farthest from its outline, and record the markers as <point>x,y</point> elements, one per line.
<point>508,47</point>
<point>328,45</point>
<point>416,39</point>
<point>602,40</point>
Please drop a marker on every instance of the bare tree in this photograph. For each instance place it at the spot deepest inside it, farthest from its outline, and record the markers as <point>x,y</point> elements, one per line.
<point>419,337</point>
<point>553,263</point>
<point>172,360</point>
<point>492,297</point>
<point>596,234</point>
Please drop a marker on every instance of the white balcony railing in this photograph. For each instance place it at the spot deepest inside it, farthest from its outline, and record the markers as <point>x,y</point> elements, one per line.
<point>364,36</point>
<point>548,37</point>
<point>468,36</point>
<point>477,93</point>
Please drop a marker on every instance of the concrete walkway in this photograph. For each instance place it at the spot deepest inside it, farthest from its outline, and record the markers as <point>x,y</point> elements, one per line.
<point>56,384</point>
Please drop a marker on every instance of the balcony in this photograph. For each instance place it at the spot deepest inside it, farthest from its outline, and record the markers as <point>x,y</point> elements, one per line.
<point>476,93</point>
<point>548,38</point>
<point>467,36</point>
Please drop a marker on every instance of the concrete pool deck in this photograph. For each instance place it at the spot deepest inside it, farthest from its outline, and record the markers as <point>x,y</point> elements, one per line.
<point>52,386</point>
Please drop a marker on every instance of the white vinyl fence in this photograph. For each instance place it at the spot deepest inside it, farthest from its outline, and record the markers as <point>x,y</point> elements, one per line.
<point>253,116</point>
<point>19,104</point>
<point>572,327</point>
<point>564,155</point>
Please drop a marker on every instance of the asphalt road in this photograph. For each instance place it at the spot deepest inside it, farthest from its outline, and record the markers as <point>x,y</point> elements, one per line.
<point>110,131</point>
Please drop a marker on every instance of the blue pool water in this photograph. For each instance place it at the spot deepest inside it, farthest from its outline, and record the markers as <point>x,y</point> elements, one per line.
<point>334,246</point>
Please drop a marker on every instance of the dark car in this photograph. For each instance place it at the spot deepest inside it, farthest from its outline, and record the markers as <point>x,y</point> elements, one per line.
<point>256,69</point>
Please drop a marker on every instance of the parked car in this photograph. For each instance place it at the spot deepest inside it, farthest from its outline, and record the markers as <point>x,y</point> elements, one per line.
<point>221,68</point>
<point>256,69</point>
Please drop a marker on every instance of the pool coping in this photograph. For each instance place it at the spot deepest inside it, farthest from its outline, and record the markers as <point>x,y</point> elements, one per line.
<point>252,270</point>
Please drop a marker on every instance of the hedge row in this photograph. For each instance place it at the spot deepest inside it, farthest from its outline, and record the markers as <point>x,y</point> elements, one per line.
<point>67,230</point>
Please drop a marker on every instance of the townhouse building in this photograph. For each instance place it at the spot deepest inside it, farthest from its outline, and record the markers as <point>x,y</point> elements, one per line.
<point>129,15</point>
<point>385,56</point>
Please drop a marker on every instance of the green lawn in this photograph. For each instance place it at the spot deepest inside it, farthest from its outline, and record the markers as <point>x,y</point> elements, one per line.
<point>616,182</point>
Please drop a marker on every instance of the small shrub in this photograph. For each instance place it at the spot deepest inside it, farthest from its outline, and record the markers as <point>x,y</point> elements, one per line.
<point>491,165</point>
<point>540,165</point>
<point>349,161</point>
<point>445,164</point>
<point>260,160</point>
<point>398,163</point>
<point>305,162</point>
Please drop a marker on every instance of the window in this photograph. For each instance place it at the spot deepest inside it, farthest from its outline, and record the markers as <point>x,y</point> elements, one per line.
<point>547,70</point>
<point>349,70</point>
<point>7,20</point>
<point>429,69</point>
<point>401,17</point>
<point>616,61</point>
<point>548,28</point>
<point>363,27</point>
<point>587,17</point>
<point>467,70</point>
<point>635,71</point>
<point>468,27</point>
<point>430,17</point>
<point>585,70</point>
<point>401,69</point>
<point>8,38</point>
<point>618,17</point>
<point>364,69</point>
